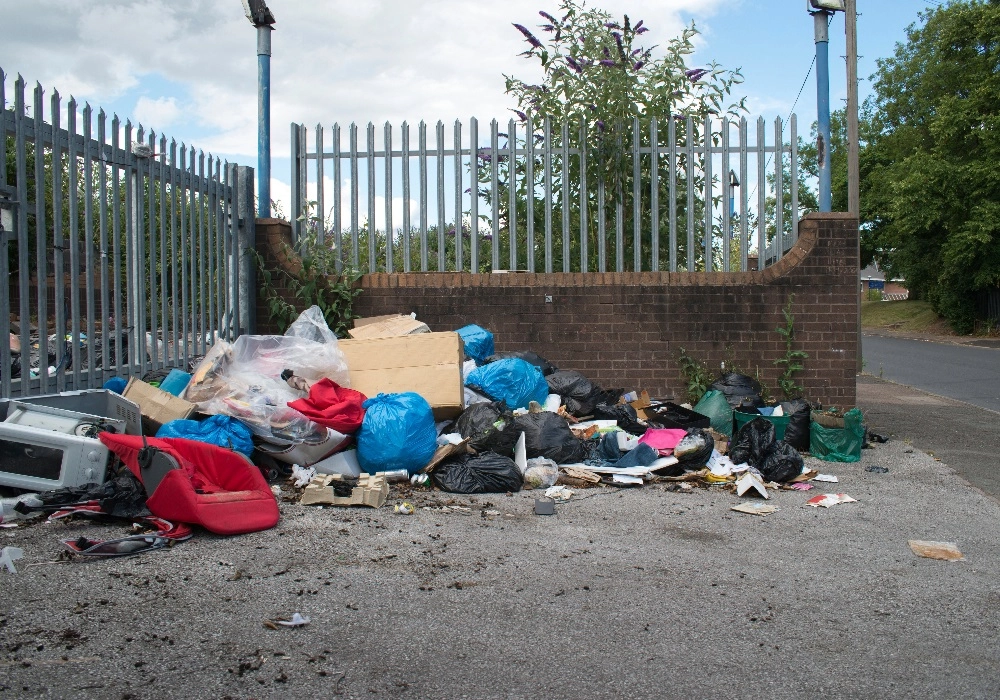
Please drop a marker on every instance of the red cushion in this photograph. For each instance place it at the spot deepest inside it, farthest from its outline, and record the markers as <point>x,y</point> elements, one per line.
<point>218,489</point>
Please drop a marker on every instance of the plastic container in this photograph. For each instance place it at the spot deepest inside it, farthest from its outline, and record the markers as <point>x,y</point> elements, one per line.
<point>175,382</point>
<point>780,422</point>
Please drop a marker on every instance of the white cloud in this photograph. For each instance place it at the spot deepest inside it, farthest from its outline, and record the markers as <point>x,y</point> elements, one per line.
<point>334,61</point>
<point>157,114</point>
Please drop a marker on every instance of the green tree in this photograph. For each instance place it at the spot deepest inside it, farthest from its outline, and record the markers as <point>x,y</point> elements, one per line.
<point>601,83</point>
<point>930,179</point>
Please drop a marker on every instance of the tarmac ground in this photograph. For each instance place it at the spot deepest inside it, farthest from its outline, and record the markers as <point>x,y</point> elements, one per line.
<point>624,593</point>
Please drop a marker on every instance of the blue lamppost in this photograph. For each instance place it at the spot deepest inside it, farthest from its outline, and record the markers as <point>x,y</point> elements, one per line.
<point>261,17</point>
<point>821,10</point>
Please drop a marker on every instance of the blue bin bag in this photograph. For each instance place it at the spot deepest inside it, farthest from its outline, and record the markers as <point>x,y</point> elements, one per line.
<point>397,433</point>
<point>116,384</point>
<point>512,380</point>
<point>478,342</point>
<point>220,430</point>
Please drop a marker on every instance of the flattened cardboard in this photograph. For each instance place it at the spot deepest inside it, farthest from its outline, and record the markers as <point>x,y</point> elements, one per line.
<point>371,491</point>
<point>391,327</point>
<point>157,406</point>
<point>429,364</point>
<point>358,322</point>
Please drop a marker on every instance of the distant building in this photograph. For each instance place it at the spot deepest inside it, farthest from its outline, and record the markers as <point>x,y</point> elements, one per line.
<point>874,285</point>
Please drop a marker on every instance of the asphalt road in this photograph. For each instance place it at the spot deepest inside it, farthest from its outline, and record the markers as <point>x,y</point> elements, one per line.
<point>962,372</point>
<point>643,593</point>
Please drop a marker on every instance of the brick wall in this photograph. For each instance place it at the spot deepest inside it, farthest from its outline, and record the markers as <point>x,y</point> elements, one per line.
<point>625,329</point>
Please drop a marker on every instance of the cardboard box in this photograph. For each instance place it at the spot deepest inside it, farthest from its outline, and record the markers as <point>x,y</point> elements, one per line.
<point>371,491</point>
<point>429,364</point>
<point>387,327</point>
<point>157,406</point>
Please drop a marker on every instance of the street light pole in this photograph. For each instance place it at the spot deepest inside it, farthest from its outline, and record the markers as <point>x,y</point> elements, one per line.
<point>821,11</point>
<point>822,38</point>
<point>262,19</point>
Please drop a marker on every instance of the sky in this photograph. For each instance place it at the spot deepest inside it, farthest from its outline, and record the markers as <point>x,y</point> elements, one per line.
<point>187,68</point>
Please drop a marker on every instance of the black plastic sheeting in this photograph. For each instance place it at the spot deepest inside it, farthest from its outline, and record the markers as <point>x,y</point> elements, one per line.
<point>484,473</point>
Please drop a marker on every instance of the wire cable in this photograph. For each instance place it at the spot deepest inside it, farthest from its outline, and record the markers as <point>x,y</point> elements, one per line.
<point>787,119</point>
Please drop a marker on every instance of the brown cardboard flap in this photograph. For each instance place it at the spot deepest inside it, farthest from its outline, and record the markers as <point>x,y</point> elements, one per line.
<point>391,327</point>
<point>157,406</point>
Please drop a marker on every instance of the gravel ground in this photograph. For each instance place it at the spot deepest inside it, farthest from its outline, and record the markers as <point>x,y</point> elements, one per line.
<point>624,593</point>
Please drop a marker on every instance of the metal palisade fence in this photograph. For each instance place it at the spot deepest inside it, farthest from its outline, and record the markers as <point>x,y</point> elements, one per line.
<point>677,194</point>
<point>122,254</point>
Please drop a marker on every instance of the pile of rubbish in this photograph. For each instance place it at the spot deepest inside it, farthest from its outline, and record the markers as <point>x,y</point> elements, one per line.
<point>336,421</point>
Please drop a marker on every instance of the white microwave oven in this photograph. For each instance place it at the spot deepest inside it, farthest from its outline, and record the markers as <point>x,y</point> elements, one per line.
<point>43,447</point>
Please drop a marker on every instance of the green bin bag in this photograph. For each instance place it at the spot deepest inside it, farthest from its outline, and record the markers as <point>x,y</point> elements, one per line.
<point>714,405</point>
<point>838,444</point>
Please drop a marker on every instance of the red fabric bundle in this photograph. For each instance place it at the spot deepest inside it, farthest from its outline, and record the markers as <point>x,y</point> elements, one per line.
<point>332,406</point>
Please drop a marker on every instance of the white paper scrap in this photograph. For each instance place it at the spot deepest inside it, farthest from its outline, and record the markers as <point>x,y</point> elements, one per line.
<point>826,477</point>
<point>626,479</point>
<point>755,508</point>
<point>298,620</point>
<point>558,493</point>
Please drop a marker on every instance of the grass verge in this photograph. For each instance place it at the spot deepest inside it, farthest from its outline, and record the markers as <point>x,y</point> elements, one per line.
<point>905,316</point>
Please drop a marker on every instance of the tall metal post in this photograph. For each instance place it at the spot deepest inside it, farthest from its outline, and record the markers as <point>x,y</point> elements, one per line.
<point>822,39</point>
<point>261,18</point>
<point>264,120</point>
<point>853,184</point>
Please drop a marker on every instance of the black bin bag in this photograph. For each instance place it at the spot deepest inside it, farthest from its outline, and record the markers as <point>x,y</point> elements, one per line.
<point>783,463</point>
<point>695,449</point>
<point>483,473</point>
<point>739,388</point>
<point>797,430</point>
<point>753,442</point>
<point>548,435</point>
<point>580,395</point>
<point>479,422</point>
<point>756,445</point>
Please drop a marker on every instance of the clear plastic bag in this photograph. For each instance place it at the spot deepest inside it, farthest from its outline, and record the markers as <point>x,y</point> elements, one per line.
<point>243,379</point>
<point>312,326</point>
<point>541,473</point>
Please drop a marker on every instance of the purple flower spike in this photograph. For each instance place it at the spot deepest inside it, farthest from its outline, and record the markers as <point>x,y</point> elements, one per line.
<point>638,26</point>
<point>639,64</point>
<point>641,30</point>
<point>637,52</point>
<point>612,25</point>
<point>520,115</point>
<point>600,125</point>
<point>696,74</point>
<point>547,16</point>
<point>574,65</point>
<point>548,28</point>
<point>528,36</point>
<point>608,62</point>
